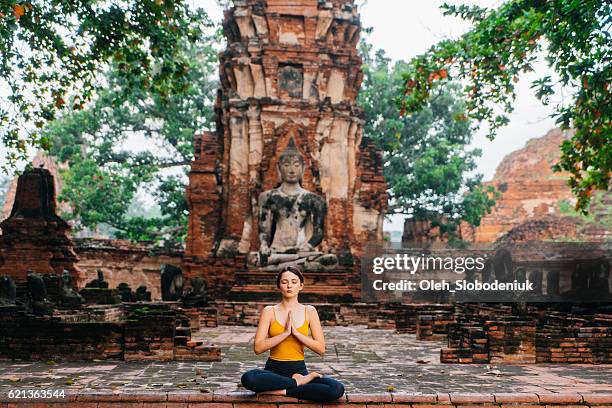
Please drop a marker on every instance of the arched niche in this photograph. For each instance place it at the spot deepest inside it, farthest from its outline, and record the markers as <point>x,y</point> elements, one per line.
<point>269,172</point>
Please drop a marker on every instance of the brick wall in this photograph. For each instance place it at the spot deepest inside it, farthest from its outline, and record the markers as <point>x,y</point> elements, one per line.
<point>124,261</point>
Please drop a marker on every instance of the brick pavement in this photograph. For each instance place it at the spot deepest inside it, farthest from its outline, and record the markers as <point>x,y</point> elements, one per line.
<point>369,362</point>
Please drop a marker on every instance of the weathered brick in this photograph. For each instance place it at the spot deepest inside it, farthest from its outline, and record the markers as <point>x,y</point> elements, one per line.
<point>514,405</point>
<point>471,398</point>
<point>203,404</point>
<point>236,396</point>
<point>478,406</point>
<point>515,398</point>
<point>562,398</point>
<point>343,405</point>
<point>376,398</point>
<point>123,404</point>
<point>44,404</point>
<point>304,405</point>
<point>253,405</point>
<point>596,398</point>
<point>274,398</point>
<point>443,398</point>
<point>413,397</point>
<point>175,404</point>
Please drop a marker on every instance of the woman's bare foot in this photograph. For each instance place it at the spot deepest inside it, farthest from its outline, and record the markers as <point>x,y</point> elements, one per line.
<point>305,379</point>
<point>273,392</point>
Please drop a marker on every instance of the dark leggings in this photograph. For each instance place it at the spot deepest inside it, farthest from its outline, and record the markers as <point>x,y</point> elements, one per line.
<point>276,375</point>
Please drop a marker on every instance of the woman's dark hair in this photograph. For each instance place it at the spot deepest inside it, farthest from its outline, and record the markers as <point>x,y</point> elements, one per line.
<point>290,268</point>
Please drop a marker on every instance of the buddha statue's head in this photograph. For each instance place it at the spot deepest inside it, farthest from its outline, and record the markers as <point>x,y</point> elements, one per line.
<point>291,164</point>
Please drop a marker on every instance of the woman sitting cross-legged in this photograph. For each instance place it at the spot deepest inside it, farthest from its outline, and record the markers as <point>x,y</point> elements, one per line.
<point>283,329</point>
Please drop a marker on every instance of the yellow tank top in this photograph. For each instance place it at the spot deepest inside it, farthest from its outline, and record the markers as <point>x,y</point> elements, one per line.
<point>290,349</point>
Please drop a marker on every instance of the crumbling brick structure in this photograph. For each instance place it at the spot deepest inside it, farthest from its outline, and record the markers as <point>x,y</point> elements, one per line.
<point>127,331</point>
<point>291,71</point>
<point>34,237</point>
<point>532,193</point>
<point>42,159</point>
<point>544,333</point>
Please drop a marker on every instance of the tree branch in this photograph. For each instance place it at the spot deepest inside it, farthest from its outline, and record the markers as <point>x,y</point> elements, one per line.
<point>166,231</point>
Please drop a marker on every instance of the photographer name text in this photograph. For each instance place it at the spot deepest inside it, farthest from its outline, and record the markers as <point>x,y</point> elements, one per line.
<point>457,285</point>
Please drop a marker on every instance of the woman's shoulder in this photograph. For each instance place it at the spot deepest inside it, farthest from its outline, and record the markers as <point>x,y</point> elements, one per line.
<point>268,314</point>
<point>269,308</point>
<point>310,309</point>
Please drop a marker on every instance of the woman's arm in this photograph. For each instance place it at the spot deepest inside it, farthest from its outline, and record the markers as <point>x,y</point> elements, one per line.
<point>262,341</point>
<point>317,342</point>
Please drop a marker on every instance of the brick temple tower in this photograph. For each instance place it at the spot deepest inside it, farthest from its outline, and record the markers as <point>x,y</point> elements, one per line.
<point>291,70</point>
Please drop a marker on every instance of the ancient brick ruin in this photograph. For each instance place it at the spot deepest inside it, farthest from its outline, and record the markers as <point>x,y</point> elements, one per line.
<point>43,317</point>
<point>41,160</point>
<point>34,237</point>
<point>291,71</point>
<point>543,334</point>
<point>536,203</point>
<point>128,331</point>
<point>534,195</point>
<point>123,261</point>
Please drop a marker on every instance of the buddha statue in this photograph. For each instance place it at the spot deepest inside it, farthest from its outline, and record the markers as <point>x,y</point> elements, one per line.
<point>291,220</point>
<point>37,295</point>
<point>68,297</point>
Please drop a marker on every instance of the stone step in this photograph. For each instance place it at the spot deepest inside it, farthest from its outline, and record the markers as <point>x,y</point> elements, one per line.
<point>443,399</point>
